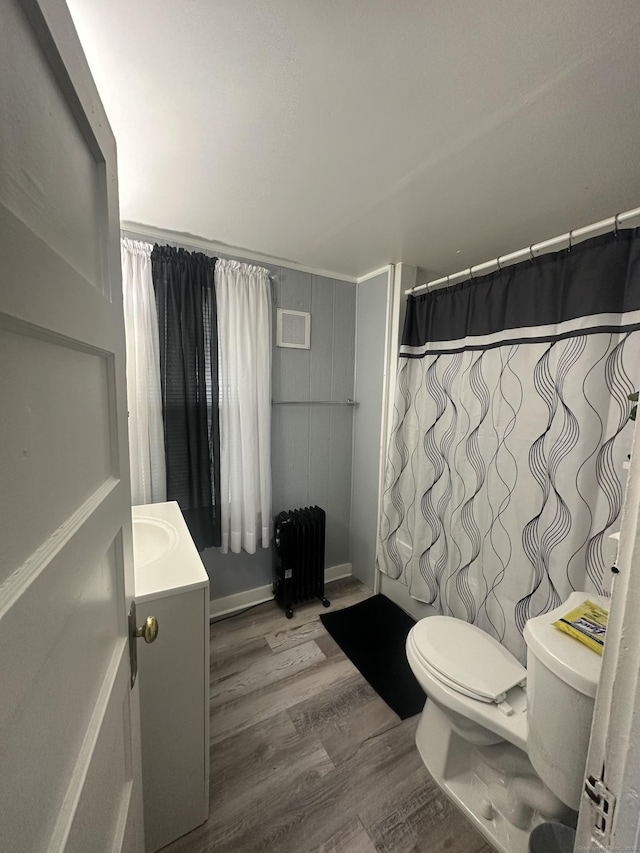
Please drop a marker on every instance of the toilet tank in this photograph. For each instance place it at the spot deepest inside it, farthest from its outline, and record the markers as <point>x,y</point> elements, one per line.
<point>562,679</point>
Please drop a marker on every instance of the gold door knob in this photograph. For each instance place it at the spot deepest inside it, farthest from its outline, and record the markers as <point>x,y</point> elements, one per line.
<point>149,631</point>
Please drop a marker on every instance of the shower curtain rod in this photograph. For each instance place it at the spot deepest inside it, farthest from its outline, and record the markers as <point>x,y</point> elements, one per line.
<point>529,251</point>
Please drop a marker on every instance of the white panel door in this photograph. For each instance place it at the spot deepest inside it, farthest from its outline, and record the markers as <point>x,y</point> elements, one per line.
<point>613,762</point>
<point>69,720</point>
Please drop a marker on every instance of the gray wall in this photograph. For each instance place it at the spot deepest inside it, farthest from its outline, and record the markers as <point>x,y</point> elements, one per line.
<point>310,444</point>
<point>370,360</point>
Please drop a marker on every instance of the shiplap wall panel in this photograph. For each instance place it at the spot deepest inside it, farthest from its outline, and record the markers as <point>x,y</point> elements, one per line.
<point>322,345</point>
<point>344,336</point>
<point>339,500</point>
<point>290,424</point>
<point>319,453</point>
<point>322,295</point>
<point>327,478</point>
<point>293,458</point>
<point>341,425</point>
<point>294,292</point>
<point>278,451</point>
<point>276,389</point>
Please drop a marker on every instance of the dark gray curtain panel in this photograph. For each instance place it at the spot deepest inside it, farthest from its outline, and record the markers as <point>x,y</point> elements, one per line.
<point>186,304</point>
<point>506,462</point>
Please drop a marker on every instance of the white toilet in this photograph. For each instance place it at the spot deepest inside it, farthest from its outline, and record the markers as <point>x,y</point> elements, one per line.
<point>507,744</point>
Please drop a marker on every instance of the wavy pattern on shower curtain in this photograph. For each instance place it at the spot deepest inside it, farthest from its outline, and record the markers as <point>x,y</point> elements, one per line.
<point>505,471</point>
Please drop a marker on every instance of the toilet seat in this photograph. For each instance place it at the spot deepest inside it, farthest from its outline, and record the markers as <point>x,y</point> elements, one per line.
<point>466,659</point>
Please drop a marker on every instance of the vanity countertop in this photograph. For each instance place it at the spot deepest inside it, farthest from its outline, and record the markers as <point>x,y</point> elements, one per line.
<point>165,559</point>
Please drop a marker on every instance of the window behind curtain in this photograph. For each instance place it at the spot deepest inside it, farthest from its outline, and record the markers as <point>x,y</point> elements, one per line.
<point>188,337</point>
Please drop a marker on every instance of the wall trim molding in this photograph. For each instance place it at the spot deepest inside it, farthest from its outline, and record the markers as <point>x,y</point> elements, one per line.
<point>230,604</point>
<point>387,268</point>
<point>193,240</point>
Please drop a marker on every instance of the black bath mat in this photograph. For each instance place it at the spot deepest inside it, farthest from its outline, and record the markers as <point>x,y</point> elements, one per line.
<point>372,634</point>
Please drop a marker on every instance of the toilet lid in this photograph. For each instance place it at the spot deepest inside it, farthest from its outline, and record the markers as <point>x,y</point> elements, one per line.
<point>466,658</point>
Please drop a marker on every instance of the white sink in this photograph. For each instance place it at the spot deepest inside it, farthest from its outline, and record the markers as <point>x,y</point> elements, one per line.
<point>165,559</point>
<point>152,539</point>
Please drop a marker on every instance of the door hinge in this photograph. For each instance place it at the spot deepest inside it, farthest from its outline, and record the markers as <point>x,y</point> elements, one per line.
<point>603,803</point>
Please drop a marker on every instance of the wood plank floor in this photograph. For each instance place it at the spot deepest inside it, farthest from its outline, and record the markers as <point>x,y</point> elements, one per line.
<point>305,756</point>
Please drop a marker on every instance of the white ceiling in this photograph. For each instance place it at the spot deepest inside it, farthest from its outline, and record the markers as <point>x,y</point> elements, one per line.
<point>347,134</point>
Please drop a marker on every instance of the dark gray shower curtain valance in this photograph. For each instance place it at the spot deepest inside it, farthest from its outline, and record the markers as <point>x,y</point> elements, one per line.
<point>186,305</point>
<point>505,472</point>
<point>582,290</point>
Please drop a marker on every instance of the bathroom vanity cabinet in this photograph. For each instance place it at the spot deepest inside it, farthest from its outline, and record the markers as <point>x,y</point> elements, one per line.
<point>173,673</point>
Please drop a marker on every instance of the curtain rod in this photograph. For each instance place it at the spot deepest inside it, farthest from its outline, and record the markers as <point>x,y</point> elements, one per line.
<point>347,402</point>
<point>140,237</point>
<point>529,251</point>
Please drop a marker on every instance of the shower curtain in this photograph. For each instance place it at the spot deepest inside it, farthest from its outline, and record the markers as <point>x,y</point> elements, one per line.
<point>505,470</point>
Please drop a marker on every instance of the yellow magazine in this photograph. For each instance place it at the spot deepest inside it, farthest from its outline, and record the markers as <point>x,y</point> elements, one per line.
<point>587,623</point>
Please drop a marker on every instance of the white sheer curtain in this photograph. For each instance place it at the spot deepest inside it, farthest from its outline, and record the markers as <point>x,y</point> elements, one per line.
<point>146,434</point>
<point>243,295</point>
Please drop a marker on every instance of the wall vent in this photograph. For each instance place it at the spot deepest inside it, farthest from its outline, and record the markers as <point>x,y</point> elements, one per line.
<point>293,329</point>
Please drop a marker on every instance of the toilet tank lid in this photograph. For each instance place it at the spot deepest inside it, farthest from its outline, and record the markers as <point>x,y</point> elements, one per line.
<point>467,656</point>
<point>568,658</point>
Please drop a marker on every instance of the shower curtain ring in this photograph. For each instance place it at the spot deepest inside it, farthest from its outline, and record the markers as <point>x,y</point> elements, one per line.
<point>615,225</point>
<point>531,256</point>
<point>570,239</point>
<point>498,265</point>
<point>470,273</point>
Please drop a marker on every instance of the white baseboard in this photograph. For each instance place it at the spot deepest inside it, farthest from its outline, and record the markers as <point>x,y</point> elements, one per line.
<point>230,604</point>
